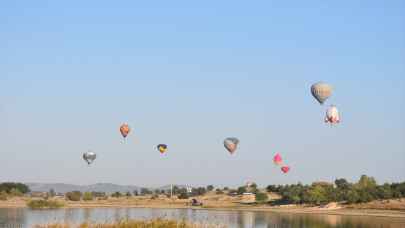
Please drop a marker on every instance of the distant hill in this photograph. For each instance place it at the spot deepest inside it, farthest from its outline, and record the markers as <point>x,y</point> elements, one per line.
<point>99,187</point>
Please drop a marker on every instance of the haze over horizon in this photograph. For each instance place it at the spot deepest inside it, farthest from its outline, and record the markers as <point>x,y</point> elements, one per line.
<point>189,75</point>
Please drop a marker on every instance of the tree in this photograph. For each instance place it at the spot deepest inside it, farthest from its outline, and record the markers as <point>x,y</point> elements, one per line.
<point>366,182</point>
<point>342,184</point>
<point>271,188</point>
<point>128,194</point>
<point>52,193</point>
<point>8,186</point>
<point>145,191</point>
<point>219,191</point>
<point>15,192</point>
<point>241,190</point>
<point>135,193</point>
<point>73,196</point>
<point>226,188</point>
<point>183,195</point>
<point>261,197</point>
<point>175,190</point>
<point>87,196</point>
<point>352,196</point>
<point>384,191</point>
<point>210,188</point>
<point>116,194</point>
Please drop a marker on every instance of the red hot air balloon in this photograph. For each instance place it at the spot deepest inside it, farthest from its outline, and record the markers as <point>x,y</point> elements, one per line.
<point>285,169</point>
<point>125,129</point>
<point>277,159</point>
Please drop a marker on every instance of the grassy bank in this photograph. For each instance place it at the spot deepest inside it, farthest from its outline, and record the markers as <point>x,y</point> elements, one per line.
<point>155,223</point>
<point>44,204</point>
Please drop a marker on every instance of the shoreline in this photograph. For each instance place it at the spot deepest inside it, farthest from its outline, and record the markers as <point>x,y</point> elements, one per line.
<point>293,210</point>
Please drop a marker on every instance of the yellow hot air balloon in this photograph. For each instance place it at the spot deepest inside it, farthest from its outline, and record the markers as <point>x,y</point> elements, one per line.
<point>162,148</point>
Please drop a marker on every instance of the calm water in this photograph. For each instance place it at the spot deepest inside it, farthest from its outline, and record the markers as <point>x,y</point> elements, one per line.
<point>27,218</point>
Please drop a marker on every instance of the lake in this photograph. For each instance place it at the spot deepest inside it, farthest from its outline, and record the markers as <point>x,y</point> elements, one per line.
<point>23,217</point>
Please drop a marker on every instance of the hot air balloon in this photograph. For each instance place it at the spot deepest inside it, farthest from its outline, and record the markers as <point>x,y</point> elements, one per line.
<point>162,148</point>
<point>89,157</point>
<point>277,159</point>
<point>332,115</point>
<point>321,91</point>
<point>125,129</point>
<point>231,144</point>
<point>285,169</point>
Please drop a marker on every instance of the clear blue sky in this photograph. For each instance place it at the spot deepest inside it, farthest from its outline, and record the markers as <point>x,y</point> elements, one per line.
<point>190,74</point>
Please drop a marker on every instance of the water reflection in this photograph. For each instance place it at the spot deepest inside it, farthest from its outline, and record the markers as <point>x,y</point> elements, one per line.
<point>243,219</point>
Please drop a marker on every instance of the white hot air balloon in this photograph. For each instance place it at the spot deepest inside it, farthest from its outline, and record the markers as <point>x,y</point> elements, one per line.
<point>332,115</point>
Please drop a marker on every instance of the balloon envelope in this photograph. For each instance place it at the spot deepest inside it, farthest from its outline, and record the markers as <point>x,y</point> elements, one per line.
<point>89,157</point>
<point>125,129</point>
<point>332,115</point>
<point>277,159</point>
<point>285,169</point>
<point>162,148</point>
<point>321,91</point>
<point>231,144</point>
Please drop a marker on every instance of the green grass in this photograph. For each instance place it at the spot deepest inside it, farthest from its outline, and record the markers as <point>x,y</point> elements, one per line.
<point>154,223</point>
<point>44,204</point>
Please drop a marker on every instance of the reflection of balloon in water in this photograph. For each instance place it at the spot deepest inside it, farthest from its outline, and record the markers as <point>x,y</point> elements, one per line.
<point>277,159</point>
<point>321,91</point>
<point>125,129</point>
<point>162,148</point>
<point>332,115</point>
<point>285,169</point>
<point>89,157</point>
<point>231,144</point>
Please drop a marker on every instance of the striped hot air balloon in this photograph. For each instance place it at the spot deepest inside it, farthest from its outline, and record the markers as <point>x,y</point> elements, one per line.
<point>321,91</point>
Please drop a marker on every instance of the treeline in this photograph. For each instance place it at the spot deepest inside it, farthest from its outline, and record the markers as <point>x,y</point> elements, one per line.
<point>363,191</point>
<point>10,189</point>
<point>180,192</point>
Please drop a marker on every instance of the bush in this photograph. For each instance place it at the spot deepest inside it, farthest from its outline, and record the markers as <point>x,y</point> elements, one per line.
<point>116,194</point>
<point>44,204</point>
<point>15,192</point>
<point>73,196</point>
<point>219,191</point>
<point>261,197</point>
<point>183,195</point>
<point>3,195</point>
<point>87,196</point>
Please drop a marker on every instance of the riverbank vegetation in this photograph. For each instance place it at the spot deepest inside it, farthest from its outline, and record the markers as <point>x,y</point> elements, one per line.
<point>44,204</point>
<point>341,191</point>
<point>318,193</point>
<point>154,223</point>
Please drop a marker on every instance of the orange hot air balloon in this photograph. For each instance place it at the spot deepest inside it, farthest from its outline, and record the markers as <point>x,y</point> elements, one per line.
<point>285,169</point>
<point>125,129</point>
<point>277,159</point>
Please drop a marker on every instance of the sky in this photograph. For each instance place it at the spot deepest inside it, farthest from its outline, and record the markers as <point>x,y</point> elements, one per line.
<point>189,74</point>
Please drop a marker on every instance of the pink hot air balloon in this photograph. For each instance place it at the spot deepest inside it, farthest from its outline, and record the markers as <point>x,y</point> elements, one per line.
<point>277,159</point>
<point>332,115</point>
<point>285,169</point>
